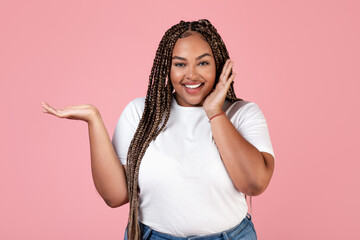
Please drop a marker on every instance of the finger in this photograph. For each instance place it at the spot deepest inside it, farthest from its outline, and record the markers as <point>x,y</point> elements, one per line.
<point>227,70</point>
<point>230,80</point>
<point>52,110</point>
<point>61,113</point>
<point>48,112</point>
<point>224,68</point>
<point>49,108</point>
<point>45,105</point>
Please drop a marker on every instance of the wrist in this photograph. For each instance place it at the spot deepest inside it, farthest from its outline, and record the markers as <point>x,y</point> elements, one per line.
<point>217,115</point>
<point>93,116</point>
<point>213,112</point>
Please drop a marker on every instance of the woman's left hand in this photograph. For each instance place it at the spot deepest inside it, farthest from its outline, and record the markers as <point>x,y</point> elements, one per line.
<point>215,100</point>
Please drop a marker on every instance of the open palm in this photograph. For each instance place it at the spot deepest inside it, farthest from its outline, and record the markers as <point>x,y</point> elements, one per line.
<point>77,112</point>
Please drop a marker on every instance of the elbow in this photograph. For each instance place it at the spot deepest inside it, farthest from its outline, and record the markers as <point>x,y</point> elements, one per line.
<point>252,189</point>
<point>112,204</point>
<point>258,184</point>
<point>116,200</point>
<point>116,204</point>
<point>255,190</point>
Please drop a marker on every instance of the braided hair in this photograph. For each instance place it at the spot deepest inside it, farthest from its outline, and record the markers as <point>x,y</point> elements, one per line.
<point>158,103</point>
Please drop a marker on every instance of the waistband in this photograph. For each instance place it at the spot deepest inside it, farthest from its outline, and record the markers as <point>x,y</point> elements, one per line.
<point>228,234</point>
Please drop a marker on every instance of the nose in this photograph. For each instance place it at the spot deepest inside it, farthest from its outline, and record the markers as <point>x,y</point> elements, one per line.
<point>191,73</point>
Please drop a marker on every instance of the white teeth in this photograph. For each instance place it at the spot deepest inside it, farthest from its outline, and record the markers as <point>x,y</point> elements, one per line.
<point>193,86</point>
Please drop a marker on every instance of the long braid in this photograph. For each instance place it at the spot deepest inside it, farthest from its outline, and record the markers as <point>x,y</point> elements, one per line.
<point>158,103</point>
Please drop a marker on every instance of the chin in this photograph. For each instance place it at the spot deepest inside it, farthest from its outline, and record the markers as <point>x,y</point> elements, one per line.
<point>195,102</point>
<point>191,100</point>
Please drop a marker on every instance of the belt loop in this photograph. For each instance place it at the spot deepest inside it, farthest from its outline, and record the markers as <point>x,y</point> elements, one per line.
<point>146,234</point>
<point>248,216</point>
<point>226,237</point>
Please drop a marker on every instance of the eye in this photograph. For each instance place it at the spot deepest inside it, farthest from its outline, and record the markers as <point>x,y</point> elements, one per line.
<point>179,64</point>
<point>204,63</point>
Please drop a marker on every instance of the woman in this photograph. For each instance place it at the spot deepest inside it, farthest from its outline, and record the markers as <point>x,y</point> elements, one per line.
<point>201,149</point>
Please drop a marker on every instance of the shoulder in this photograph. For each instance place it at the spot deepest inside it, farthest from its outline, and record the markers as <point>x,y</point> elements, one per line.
<point>133,110</point>
<point>245,113</point>
<point>135,106</point>
<point>137,102</point>
<point>243,108</point>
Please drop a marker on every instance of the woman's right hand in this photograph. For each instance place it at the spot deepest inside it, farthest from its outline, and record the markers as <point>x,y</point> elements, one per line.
<point>83,112</point>
<point>108,174</point>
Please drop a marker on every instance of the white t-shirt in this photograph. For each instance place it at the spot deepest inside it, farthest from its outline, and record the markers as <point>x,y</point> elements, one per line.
<point>185,189</point>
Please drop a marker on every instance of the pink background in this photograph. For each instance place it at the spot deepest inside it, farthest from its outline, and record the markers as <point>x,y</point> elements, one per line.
<point>298,60</point>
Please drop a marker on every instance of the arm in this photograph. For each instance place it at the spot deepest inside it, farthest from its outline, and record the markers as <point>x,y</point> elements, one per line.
<point>249,169</point>
<point>108,174</point>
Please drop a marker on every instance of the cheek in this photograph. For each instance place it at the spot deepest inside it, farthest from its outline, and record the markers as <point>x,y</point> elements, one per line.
<point>175,76</point>
<point>210,75</point>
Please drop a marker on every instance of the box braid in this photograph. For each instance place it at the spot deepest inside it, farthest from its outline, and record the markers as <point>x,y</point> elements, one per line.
<point>158,103</point>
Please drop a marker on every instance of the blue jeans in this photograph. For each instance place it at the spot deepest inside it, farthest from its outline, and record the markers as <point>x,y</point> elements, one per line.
<point>243,231</point>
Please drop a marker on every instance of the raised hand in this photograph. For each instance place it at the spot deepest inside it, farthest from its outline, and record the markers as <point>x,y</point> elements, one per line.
<point>83,112</point>
<point>215,100</point>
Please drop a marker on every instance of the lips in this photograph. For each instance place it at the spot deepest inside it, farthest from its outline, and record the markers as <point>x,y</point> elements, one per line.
<point>192,86</point>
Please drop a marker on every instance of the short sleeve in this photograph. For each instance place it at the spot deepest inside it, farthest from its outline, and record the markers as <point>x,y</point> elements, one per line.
<point>126,128</point>
<point>251,124</point>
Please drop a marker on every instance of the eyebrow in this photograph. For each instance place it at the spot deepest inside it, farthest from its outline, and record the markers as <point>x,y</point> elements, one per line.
<point>199,57</point>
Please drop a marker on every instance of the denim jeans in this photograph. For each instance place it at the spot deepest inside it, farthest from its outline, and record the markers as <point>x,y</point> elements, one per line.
<point>243,231</point>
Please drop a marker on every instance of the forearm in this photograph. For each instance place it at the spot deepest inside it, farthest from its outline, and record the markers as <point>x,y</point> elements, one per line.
<point>244,163</point>
<point>108,174</point>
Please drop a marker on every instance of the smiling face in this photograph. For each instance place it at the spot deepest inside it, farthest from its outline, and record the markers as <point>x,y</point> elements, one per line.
<point>193,70</point>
